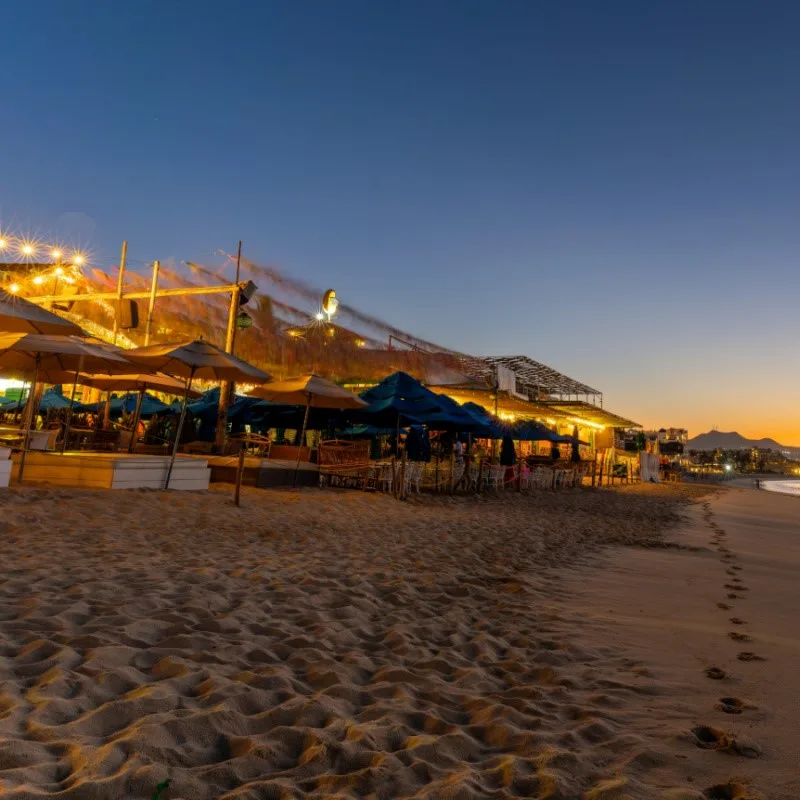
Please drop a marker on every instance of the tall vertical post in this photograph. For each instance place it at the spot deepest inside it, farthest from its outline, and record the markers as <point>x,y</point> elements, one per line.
<point>152,305</point>
<point>122,259</point>
<point>226,388</point>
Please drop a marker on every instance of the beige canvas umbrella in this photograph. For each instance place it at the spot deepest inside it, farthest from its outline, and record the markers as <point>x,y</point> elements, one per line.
<point>311,391</point>
<point>40,357</point>
<point>133,382</point>
<point>190,360</point>
<point>20,316</point>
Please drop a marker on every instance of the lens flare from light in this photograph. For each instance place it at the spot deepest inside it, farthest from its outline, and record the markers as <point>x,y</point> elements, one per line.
<point>14,288</point>
<point>78,259</point>
<point>59,271</point>
<point>38,280</point>
<point>3,243</point>
<point>27,249</point>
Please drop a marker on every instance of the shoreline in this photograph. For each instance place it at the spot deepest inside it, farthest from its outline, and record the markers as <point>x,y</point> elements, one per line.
<point>315,642</point>
<point>726,600</point>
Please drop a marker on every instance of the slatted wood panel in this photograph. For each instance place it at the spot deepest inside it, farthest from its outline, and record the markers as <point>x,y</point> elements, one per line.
<point>114,471</point>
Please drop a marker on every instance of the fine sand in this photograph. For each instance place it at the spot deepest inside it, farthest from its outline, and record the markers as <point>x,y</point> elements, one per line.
<point>341,644</point>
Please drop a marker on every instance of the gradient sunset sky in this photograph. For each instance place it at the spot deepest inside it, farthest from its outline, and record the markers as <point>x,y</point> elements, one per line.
<point>612,188</point>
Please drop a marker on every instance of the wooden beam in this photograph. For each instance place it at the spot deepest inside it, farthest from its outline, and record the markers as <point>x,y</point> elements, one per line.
<point>76,298</point>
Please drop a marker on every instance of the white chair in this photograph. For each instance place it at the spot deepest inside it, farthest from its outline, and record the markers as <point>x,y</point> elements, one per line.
<point>543,478</point>
<point>457,475</point>
<point>496,477</point>
<point>413,475</point>
<point>385,478</point>
<point>526,479</point>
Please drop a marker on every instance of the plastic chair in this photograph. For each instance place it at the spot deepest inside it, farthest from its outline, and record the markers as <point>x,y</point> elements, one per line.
<point>386,477</point>
<point>496,477</point>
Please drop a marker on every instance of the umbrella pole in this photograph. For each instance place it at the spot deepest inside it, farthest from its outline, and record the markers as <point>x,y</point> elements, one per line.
<point>71,404</point>
<point>29,414</point>
<point>107,412</point>
<point>180,428</point>
<point>137,415</point>
<point>302,439</point>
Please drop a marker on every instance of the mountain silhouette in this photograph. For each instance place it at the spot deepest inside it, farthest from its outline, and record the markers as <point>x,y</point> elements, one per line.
<point>732,441</point>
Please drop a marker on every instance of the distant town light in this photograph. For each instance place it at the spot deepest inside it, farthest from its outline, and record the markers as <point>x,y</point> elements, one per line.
<point>78,259</point>
<point>59,271</point>
<point>56,253</point>
<point>27,249</point>
<point>38,280</point>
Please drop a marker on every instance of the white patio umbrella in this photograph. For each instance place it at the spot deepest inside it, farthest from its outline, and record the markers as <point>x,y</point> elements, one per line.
<point>311,391</point>
<point>190,360</point>
<point>20,316</point>
<point>41,357</point>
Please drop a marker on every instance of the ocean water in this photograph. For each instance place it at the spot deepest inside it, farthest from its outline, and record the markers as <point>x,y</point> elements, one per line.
<point>783,487</point>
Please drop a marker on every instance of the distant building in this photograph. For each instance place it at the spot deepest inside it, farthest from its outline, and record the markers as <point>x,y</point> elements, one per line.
<point>671,435</point>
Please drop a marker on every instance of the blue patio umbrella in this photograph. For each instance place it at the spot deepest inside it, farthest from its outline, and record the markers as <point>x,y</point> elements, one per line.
<point>53,401</point>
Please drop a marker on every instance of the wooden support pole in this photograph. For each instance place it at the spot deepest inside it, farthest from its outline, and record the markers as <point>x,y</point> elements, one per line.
<point>239,474</point>
<point>152,305</point>
<point>226,387</point>
<point>403,476</point>
<point>122,259</point>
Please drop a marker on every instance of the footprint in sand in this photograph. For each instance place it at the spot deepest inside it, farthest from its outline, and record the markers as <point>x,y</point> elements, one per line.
<point>746,655</point>
<point>728,791</point>
<point>716,674</point>
<point>737,621</point>
<point>739,637</point>
<point>714,739</point>
<point>732,705</point>
<point>734,596</point>
<point>724,606</point>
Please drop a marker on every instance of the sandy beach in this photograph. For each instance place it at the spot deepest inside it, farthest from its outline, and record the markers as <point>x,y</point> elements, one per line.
<point>341,644</point>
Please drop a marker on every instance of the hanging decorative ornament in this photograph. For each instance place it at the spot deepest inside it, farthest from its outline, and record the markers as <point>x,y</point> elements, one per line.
<point>329,303</point>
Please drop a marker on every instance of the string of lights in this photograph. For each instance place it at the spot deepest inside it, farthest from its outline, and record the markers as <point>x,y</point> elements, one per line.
<point>31,249</point>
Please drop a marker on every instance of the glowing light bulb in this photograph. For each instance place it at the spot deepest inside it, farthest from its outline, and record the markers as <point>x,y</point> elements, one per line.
<point>56,253</point>
<point>320,316</point>
<point>3,243</point>
<point>59,271</point>
<point>14,288</point>
<point>27,249</point>
<point>38,280</point>
<point>78,259</point>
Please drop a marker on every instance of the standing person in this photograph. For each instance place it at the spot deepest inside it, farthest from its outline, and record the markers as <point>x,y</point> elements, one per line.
<point>458,450</point>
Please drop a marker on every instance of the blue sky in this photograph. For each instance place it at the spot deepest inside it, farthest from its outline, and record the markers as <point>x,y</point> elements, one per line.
<point>611,188</point>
